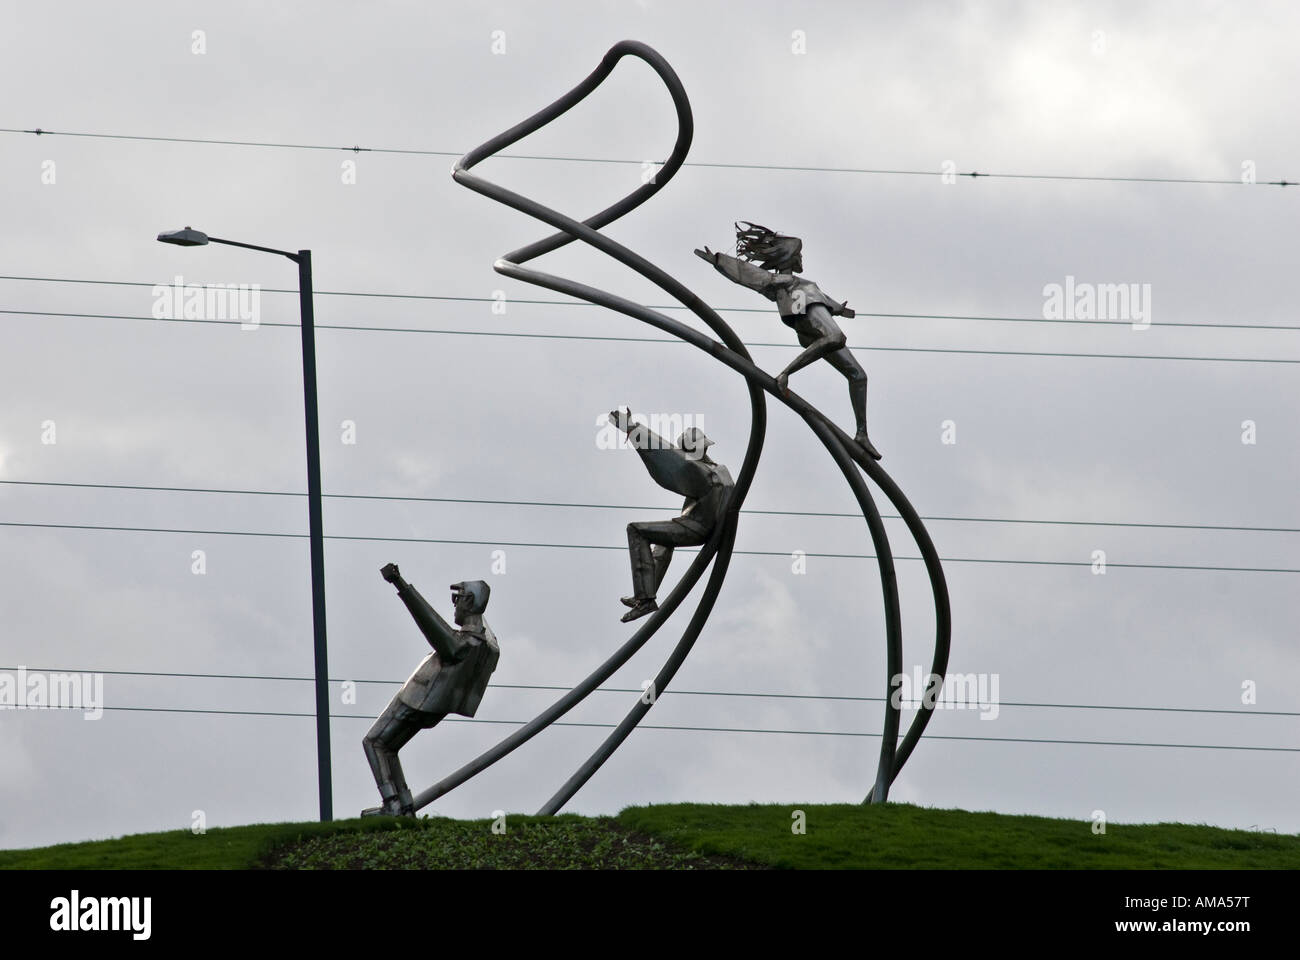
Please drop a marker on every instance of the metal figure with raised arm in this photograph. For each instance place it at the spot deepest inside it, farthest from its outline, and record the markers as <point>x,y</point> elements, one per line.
<point>684,468</point>
<point>768,262</point>
<point>451,679</point>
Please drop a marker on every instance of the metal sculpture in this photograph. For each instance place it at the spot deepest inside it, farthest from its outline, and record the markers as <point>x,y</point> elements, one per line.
<point>451,679</point>
<point>686,469</point>
<point>851,457</point>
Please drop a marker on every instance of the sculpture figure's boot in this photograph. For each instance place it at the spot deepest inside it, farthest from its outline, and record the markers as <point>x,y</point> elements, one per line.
<point>642,607</point>
<point>865,444</point>
<point>396,803</point>
<point>405,803</point>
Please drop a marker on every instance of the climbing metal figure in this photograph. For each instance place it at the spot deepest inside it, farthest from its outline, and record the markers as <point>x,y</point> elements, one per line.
<point>769,263</point>
<point>684,468</point>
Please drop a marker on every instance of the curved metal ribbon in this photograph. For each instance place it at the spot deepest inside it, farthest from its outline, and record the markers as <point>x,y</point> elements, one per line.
<point>732,352</point>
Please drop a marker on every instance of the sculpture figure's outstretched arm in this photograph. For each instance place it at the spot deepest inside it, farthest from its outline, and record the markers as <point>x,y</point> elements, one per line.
<point>440,634</point>
<point>669,465</point>
<point>742,272</point>
<point>672,469</point>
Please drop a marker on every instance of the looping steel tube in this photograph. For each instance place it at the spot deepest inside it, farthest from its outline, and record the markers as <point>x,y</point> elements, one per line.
<point>732,352</point>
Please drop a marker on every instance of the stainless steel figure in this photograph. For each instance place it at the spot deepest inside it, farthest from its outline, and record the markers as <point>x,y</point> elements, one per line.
<point>684,468</point>
<point>451,679</point>
<point>768,263</point>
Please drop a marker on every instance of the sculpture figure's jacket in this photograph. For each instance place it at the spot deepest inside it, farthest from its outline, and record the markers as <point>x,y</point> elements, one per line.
<point>453,677</point>
<point>703,513</point>
<point>705,485</point>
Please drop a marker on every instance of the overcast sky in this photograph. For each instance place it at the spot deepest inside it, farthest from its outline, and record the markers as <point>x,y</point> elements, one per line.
<point>1176,90</point>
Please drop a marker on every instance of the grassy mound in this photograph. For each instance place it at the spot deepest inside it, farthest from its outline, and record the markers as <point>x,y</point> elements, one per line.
<point>897,835</point>
<point>688,837</point>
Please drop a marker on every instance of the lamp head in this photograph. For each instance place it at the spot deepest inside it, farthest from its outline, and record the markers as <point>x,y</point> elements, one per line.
<point>184,238</point>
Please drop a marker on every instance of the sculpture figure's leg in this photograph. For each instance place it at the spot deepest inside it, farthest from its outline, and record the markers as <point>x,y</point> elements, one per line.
<point>663,555</point>
<point>844,361</point>
<point>640,550</point>
<point>392,731</point>
<point>650,545</point>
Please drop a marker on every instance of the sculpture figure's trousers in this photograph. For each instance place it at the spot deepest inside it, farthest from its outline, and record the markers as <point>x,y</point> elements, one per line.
<point>650,545</point>
<point>392,731</point>
<point>847,364</point>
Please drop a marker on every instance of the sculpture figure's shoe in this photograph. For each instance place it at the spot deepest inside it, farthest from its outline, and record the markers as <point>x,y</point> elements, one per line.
<point>628,601</point>
<point>862,441</point>
<point>641,608</point>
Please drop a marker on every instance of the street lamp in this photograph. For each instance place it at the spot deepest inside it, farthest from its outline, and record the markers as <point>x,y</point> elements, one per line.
<point>196,238</point>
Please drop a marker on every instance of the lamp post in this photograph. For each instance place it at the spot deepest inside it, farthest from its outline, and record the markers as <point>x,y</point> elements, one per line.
<point>195,238</point>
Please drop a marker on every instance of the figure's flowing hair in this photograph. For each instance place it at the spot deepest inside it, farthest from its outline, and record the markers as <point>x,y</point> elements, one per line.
<point>769,249</point>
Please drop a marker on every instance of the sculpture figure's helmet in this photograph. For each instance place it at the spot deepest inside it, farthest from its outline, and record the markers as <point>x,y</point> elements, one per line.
<point>767,248</point>
<point>694,442</point>
<point>476,591</point>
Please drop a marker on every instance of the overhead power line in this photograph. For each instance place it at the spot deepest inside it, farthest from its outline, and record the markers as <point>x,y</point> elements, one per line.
<point>638,691</point>
<point>799,168</point>
<point>653,306</point>
<point>623,506</point>
<point>701,729</point>
<point>594,546</point>
<point>673,340</point>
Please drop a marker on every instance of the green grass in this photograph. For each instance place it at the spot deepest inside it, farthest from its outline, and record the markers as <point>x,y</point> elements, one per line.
<point>899,835</point>
<point>687,836</point>
<point>552,843</point>
<point>221,848</point>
